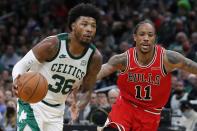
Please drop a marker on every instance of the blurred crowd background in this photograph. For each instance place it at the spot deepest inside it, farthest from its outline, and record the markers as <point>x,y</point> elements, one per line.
<point>23,23</point>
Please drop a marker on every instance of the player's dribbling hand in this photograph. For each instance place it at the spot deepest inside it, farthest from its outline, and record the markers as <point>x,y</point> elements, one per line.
<point>15,86</point>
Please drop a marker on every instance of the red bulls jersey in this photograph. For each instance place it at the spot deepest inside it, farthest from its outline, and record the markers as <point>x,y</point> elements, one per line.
<point>146,86</point>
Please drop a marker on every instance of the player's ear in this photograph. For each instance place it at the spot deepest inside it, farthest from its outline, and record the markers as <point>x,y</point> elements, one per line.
<point>156,39</point>
<point>134,37</point>
<point>73,26</point>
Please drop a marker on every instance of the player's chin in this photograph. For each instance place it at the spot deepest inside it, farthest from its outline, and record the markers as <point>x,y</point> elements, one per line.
<point>85,43</point>
<point>144,51</point>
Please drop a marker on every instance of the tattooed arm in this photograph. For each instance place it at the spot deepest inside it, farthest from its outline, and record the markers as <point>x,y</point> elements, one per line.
<point>116,62</point>
<point>173,60</point>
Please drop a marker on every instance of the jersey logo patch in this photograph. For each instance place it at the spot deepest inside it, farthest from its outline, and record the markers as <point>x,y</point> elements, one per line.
<point>155,68</point>
<point>83,63</point>
<point>132,68</point>
<point>62,56</point>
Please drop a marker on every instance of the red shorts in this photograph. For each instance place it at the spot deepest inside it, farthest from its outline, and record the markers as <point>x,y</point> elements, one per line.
<point>132,117</point>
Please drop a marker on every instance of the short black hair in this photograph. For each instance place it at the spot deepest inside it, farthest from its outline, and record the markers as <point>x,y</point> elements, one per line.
<point>83,10</point>
<point>143,22</point>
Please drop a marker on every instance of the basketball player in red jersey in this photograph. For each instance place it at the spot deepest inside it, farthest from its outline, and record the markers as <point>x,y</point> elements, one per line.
<point>144,81</point>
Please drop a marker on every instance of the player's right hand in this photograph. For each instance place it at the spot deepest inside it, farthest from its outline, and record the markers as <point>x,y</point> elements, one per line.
<point>15,86</point>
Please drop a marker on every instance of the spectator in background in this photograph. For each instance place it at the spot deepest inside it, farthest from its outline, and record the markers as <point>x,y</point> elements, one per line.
<point>5,75</point>
<point>113,95</point>
<point>183,75</point>
<point>84,114</point>
<point>102,100</point>
<point>182,44</point>
<point>23,50</point>
<point>8,94</point>
<point>93,100</point>
<point>10,58</point>
<point>190,119</point>
<point>193,52</point>
<point>124,45</point>
<point>193,93</point>
<point>2,103</point>
<point>178,96</point>
<point>98,114</point>
<point>10,115</point>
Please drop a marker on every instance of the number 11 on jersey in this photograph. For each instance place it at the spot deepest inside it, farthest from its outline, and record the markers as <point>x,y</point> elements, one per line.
<point>147,90</point>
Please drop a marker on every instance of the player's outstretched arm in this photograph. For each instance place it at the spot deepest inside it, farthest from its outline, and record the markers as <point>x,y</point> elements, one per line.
<point>116,62</point>
<point>173,60</point>
<point>90,79</point>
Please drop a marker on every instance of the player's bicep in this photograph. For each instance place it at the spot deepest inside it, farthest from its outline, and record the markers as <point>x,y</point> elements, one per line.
<point>46,49</point>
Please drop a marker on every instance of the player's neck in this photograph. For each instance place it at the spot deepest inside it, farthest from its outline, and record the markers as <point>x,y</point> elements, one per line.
<point>74,47</point>
<point>145,58</point>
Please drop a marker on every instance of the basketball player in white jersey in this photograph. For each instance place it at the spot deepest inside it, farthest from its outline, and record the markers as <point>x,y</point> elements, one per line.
<point>63,59</point>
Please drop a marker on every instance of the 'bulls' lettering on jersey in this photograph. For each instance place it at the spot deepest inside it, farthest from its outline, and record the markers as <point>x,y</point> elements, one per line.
<point>140,77</point>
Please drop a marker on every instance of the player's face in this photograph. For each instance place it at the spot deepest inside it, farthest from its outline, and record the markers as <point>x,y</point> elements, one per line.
<point>145,38</point>
<point>85,29</point>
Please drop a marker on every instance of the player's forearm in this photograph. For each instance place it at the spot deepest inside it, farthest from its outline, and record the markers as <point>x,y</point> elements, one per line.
<point>84,100</point>
<point>189,66</point>
<point>24,64</point>
<point>106,70</point>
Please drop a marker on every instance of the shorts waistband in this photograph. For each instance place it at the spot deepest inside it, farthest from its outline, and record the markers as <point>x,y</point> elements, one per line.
<point>48,104</point>
<point>156,111</point>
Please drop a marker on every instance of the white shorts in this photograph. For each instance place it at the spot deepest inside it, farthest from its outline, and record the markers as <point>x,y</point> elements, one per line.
<point>39,117</point>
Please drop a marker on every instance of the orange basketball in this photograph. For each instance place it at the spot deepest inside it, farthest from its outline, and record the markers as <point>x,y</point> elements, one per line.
<point>32,87</point>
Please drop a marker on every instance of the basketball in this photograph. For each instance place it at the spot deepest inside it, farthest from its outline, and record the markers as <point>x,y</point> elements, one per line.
<point>32,87</point>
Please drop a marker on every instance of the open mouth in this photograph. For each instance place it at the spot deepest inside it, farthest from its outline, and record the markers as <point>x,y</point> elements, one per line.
<point>87,36</point>
<point>145,46</point>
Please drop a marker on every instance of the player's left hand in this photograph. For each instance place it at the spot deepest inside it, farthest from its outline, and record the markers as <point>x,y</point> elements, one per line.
<point>74,110</point>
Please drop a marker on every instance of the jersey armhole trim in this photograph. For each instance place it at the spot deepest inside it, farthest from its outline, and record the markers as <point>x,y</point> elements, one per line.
<point>90,58</point>
<point>163,70</point>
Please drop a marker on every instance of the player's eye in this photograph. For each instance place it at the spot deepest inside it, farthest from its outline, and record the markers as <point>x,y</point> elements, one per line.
<point>141,34</point>
<point>84,24</point>
<point>93,25</point>
<point>151,35</point>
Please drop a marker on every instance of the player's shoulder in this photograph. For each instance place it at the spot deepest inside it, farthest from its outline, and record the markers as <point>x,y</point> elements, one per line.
<point>97,55</point>
<point>48,42</point>
<point>47,48</point>
<point>52,42</point>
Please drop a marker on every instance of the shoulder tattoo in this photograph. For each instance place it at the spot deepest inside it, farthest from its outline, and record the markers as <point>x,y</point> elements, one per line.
<point>173,57</point>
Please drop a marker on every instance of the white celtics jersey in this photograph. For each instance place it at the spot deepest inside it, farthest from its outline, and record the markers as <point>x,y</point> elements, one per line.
<point>63,71</point>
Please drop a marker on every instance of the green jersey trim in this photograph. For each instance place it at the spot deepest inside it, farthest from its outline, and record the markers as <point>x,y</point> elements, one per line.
<point>93,47</point>
<point>75,57</point>
<point>60,37</point>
